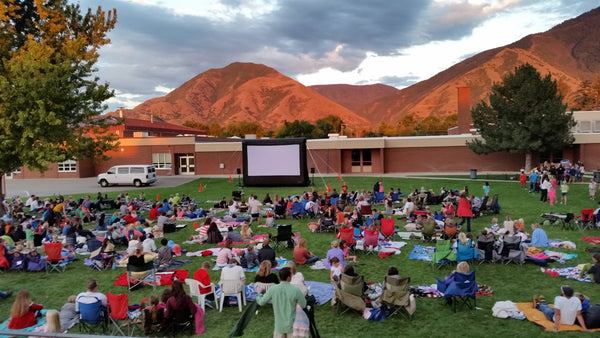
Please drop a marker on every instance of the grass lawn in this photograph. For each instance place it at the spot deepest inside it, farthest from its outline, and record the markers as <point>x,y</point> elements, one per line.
<point>509,282</point>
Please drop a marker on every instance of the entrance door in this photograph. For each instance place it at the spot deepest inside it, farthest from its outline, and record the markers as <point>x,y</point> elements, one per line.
<point>187,164</point>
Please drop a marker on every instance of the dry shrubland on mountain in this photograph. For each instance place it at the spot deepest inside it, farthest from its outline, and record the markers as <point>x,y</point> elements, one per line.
<point>570,52</point>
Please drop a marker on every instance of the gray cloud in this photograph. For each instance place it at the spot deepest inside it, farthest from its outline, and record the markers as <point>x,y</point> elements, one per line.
<point>154,47</point>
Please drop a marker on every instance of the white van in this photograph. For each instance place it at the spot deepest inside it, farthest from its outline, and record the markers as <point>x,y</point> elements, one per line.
<point>137,175</point>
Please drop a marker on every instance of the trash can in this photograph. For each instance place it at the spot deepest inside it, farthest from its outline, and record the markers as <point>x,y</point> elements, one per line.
<point>597,176</point>
<point>473,174</point>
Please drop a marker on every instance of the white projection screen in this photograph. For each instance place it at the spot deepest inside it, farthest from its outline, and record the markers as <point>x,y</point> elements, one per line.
<point>278,162</point>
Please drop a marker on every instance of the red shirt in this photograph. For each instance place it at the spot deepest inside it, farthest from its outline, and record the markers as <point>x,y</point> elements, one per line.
<point>300,255</point>
<point>202,276</point>
<point>26,320</point>
<point>130,219</point>
<point>153,214</point>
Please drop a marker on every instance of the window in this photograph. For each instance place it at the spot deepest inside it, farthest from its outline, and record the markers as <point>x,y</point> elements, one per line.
<point>162,160</point>
<point>136,170</point>
<point>361,160</point>
<point>67,166</point>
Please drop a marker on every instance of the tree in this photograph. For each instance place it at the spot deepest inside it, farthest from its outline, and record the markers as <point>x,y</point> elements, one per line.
<point>327,125</point>
<point>49,101</point>
<point>296,129</point>
<point>525,114</point>
<point>587,96</point>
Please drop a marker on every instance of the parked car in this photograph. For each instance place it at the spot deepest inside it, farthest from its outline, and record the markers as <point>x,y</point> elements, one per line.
<point>138,175</point>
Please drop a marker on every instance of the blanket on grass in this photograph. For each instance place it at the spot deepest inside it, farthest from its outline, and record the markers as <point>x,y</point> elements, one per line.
<point>281,262</point>
<point>323,292</point>
<point>422,253</point>
<point>162,278</point>
<point>537,317</point>
<point>593,240</point>
<point>176,263</point>
<point>569,272</point>
<point>41,323</point>
<point>259,237</point>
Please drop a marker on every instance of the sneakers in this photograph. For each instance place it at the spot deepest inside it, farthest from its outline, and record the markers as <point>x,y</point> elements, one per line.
<point>535,302</point>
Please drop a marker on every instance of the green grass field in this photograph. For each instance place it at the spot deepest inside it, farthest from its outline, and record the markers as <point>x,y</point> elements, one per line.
<point>432,319</point>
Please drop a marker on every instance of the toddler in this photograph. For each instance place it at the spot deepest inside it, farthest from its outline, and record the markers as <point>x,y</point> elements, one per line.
<point>336,270</point>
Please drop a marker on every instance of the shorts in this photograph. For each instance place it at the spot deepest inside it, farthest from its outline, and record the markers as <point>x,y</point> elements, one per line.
<point>255,217</point>
<point>563,193</point>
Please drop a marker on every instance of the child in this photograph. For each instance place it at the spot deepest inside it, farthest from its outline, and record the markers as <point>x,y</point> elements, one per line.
<point>552,195</point>
<point>251,257</point>
<point>344,246</point>
<point>592,189</point>
<point>29,237</point>
<point>495,227</point>
<point>521,233</point>
<point>564,190</point>
<point>523,180</point>
<point>592,270</point>
<point>486,188</point>
<point>68,314</point>
<point>152,314</point>
<point>336,270</point>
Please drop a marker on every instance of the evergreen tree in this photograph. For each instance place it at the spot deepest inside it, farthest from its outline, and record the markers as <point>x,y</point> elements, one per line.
<point>525,114</point>
<point>49,99</point>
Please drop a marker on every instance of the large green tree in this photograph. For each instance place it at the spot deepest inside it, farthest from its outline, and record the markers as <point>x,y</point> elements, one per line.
<point>50,102</point>
<point>525,114</point>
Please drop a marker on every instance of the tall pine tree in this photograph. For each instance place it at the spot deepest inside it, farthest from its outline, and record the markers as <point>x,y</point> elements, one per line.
<point>525,114</point>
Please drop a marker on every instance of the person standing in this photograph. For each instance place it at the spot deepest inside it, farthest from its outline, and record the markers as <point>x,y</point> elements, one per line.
<point>564,190</point>
<point>284,297</point>
<point>255,207</point>
<point>464,211</point>
<point>592,189</point>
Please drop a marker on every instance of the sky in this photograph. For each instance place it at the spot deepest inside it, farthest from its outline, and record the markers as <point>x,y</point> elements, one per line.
<point>157,45</point>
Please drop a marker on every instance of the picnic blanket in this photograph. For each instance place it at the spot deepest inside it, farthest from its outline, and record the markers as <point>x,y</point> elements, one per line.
<point>176,263</point>
<point>281,262</point>
<point>559,243</point>
<point>569,272</point>
<point>323,292</point>
<point>422,253</point>
<point>255,237</point>
<point>539,254</point>
<point>537,317</point>
<point>593,240</point>
<point>163,278</point>
<point>41,322</point>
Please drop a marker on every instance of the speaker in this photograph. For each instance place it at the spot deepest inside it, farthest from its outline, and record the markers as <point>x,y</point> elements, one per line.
<point>312,170</point>
<point>237,195</point>
<point>239,171</point>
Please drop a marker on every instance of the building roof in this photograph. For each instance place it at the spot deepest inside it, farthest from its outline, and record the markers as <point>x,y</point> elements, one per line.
<point>157,126</point>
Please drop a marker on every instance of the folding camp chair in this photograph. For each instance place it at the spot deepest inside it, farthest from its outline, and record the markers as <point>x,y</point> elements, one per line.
<point>462,289</point>
<point>365,209</point>
<point>118,316</point>
<point>387,228</point>
<point>298,210</point>
<point>485,247</point>
<point>348,294</point>
<point>195,287</point>
<point>180,321</point>
<point>135,282</point>
<point>54,259</point>
<point>347,234</point>
<point>371,242</point>
<point>35,261</point>
<point>443,254</point>
<point>284,236</point>
<point>428,230</point>
<point>91,316</point>
<point>511,250</point>
<point>396,295</point>
<point>585,220</point>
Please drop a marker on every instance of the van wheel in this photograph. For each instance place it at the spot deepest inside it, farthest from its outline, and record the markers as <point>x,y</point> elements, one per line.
<point>137,183</point>
<point>103,183</point>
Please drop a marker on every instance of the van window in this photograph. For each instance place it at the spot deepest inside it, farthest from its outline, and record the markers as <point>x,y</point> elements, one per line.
<point>136,170</point>
<point>151,169</point>
<point>112,171</point>
<point>123,170</point>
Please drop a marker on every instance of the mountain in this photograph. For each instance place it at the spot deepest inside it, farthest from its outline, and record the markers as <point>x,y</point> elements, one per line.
<point>570,52</point>
<point>243,92</point>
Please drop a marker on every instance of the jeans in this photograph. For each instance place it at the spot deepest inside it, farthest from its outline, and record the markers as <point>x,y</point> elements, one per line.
<point>468,219</point>
<point>546,310</point>
<point>312,260</point>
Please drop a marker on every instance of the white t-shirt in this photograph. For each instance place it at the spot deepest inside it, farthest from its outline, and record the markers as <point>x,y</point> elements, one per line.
<point>149,245</point>
<point>89,298</point>
<point>254,206</point>
<point>233,272</point>
<point>568,309</point>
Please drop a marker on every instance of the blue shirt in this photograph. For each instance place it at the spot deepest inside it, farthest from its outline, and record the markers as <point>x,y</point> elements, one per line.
<point>539,237</point>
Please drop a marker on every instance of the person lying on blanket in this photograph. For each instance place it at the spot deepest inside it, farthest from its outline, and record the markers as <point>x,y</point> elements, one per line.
<point>566,308</point>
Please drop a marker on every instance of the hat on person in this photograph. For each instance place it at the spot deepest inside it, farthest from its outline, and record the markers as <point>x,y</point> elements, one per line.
<point>502,231</point>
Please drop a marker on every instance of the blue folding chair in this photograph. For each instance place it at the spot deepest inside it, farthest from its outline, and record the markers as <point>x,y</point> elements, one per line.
<point>92,316</point>
<point>462,288</point>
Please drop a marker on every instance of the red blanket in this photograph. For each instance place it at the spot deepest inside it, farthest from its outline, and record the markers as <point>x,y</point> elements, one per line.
<point>165,278</point>
<point>593,240</point>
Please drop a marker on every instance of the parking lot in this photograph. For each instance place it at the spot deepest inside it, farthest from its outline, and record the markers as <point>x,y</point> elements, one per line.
<point>67,186</point>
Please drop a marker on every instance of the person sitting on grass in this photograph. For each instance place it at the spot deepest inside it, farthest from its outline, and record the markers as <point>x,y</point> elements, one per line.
<point>165,254</point>
<point>566,308</point>
<point>302,255</point>
<point>23,311</point>
<point>592,270</point>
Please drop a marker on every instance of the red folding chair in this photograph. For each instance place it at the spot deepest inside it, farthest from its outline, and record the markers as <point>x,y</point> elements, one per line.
<point>365,209</point>
<point>54,259</point>
<point>585,220</point>
<point>371,243</point>
<point>387,228</point>
<point>118,316</point>
<point>347,234</point>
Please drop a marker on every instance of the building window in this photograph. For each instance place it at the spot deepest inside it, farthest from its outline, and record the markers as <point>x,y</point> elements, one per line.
<point>161,160</point>
<point>67,166</point>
